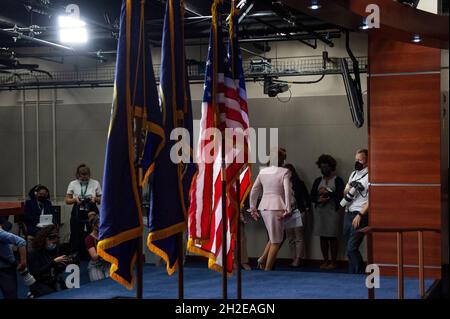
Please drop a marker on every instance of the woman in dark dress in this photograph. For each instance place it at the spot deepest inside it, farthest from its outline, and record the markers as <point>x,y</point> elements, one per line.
<point>326,193</point>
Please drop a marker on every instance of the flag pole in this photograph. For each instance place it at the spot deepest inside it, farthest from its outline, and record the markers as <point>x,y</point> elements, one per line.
<point>140,285</point>
<point>180,266</point>
<point>224,222</point>
<point>238,181</point>
<point>138,171</point>
<point>217,25</point>
<point>138,145</point>
<point>239,239</point>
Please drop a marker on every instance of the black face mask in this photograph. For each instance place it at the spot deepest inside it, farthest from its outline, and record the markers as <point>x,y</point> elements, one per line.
<point>41,198</point>
<point>358,166</point>
<point>326,171</point>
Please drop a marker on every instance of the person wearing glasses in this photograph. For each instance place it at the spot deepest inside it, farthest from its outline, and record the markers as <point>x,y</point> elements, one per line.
<point>46,264</point>
<point>84,194</point>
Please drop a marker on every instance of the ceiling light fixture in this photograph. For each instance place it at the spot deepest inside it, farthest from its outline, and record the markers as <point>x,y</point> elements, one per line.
<point>314,5</point>
<point>72,30</point>
<point>417,38</point>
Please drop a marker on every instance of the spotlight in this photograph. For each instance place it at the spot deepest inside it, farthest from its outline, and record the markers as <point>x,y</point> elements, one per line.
<point>417,38</point>
<point>364,25</point>
<point>72,30</point>
<point>314,5</point>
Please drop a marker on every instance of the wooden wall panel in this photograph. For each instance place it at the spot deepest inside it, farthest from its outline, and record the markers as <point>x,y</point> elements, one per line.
<point>404,148</point>
<point>388,56</point>
<point>405,206</point>
<point>405,129</point>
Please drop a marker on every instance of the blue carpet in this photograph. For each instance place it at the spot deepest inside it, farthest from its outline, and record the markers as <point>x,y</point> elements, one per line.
<point>201,283</point>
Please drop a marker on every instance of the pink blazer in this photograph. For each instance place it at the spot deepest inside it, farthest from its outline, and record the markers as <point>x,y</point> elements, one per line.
<point>275,185</point>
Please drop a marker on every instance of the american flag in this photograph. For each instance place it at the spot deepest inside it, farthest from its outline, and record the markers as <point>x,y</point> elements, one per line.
<point>224,106</point>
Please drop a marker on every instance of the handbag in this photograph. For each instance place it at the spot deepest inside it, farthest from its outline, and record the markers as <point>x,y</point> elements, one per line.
<point>295,220</point>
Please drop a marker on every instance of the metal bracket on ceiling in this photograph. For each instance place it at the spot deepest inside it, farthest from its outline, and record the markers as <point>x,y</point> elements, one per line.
<point>285,12</point>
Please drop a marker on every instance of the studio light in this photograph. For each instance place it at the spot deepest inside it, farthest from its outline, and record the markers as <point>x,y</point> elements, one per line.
<point>72,30</point>
<point>314,5</point>
<point>417,38</point>
<point>364,25</point>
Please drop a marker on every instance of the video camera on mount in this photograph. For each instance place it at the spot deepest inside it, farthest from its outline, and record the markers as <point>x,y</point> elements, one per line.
<point>272,88</point>
<point>356,187</point>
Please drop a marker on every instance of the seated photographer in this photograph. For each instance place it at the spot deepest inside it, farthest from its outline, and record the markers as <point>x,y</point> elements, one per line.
<point>97,268</point>
<point>326,193</point>
<point>84,194</point>
<point>356,203</point>
<point>8,264</point>
<point>37,205</point>
<point>46,264</point>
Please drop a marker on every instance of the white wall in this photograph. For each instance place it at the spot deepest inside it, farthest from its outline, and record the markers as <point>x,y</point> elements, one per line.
<point>428,5</point>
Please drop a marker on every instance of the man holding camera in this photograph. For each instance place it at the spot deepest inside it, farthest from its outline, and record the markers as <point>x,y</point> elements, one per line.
<point>8,264</point>
<point>356,203</point>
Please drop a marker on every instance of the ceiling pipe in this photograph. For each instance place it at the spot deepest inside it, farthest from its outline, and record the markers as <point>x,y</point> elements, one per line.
<point>50,11</point>
<point>280,9</point>
<point>9,21</point>
<point>331,35</point>
<point>288,36</point>
<point>18,35</point>
<point>207,17</point>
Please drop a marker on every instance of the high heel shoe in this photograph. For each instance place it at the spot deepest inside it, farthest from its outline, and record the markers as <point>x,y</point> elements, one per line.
<point>261,265</point>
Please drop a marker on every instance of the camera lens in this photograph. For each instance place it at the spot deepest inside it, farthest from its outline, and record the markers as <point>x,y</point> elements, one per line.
<point>27,277</point>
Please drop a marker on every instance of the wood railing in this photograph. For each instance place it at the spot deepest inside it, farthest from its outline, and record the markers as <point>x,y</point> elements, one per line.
<point>369,231</point>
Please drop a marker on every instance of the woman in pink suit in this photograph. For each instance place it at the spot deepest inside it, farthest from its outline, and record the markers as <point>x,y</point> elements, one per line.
<point>275,205</point>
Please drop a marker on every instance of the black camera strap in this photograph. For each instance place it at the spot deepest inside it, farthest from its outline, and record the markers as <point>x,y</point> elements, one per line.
<point>356,180</point>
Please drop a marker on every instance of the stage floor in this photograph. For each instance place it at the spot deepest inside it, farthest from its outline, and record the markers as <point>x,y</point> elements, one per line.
<point>202,283</point>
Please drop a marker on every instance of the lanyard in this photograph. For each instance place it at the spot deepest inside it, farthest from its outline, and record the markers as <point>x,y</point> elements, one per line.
<point>83,193</point>
<point>42,208</point>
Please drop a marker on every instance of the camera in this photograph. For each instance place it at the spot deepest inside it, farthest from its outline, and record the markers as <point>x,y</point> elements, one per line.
<point>85,202</point>
<point>359,187</point>
<point>73,258</point>
<point>355,187</point>
<point>272,88</point>
<point>28,278</point>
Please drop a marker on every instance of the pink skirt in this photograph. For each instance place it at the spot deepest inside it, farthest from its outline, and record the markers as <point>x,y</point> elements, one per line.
<point>274,225</point>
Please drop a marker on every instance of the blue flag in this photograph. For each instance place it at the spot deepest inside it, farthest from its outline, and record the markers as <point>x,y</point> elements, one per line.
<point>170,181</point>
<point>135,111</point>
